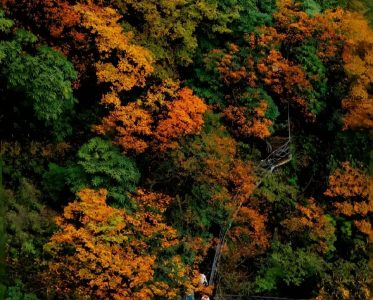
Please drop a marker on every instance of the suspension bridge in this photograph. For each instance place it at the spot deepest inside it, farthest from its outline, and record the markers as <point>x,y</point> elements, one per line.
<point>276,158</point>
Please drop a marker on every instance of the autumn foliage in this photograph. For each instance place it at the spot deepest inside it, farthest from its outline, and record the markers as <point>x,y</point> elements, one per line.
<point>358,63</point>
<point>244,124</point>
<point>133,63</point>
<point>249,235</point>
<point>352,188</point>
<point>315,222</point>
<point>144,142</point>
<point>108,253</point>
<point>83,31</point>
<point>155,122</point>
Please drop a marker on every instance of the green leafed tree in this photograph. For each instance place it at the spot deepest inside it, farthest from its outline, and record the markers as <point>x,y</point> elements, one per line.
<point>28,224</point>
<point>17,292</point>
<point>171,29</point>
<point>99,164</point>
<point>35,78</point>
<point>285,265</point>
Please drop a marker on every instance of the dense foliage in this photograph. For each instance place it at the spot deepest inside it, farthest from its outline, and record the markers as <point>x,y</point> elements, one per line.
<point>133,133</point>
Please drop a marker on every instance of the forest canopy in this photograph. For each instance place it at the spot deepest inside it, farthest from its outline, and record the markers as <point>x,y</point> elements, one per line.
<point>148,144</point>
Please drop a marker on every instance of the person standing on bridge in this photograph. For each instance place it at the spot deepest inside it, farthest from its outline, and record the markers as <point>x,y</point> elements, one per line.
<point>203,280</point>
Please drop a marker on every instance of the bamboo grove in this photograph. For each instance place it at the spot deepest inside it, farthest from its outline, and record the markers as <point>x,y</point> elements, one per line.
<point>130,130</point>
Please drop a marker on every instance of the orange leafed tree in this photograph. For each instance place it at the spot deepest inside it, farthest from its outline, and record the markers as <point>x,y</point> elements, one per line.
<point>358,63</point>
<point>296,26</point>
<point>156,121</point>
<point>271,65</point>
<point>264,63</point>
<point>243,179</point>
<point>244,120</point>
<point>132,63</point>
<point>353,191</point>
<point>249,225</point>
<point>58,16</point>
<point>249,122</point>
<point>249,234</point>
<point>209,168</point>
<point>231,74</point>
<point>107,253</point>
<point>210,159</point>
<point>286,79</point>
<point>347,182</point>
<point>132,126</point>
<point>184,116</point>
<point>248,237</point>
<point>312,221</point>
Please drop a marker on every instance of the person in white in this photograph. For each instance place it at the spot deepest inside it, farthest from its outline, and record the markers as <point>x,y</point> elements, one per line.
<point>205,297</point>
<point>203,280</point>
